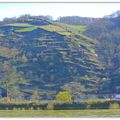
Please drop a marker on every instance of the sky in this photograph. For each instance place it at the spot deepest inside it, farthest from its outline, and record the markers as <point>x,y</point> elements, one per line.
<point>58,9</point>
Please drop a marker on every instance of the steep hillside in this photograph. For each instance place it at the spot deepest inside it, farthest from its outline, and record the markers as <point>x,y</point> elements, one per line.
<point>107,33</point>
<point>44,58</point>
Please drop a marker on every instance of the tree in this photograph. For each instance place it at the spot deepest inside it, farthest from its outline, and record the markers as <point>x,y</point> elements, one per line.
<point>35,96</point>
<point>24,58</point>
<point>75,89</point>
<point>10,79</point>
<point>64,96</point>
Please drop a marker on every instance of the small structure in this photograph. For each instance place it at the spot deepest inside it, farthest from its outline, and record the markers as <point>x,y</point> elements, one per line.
<point>117,96</point>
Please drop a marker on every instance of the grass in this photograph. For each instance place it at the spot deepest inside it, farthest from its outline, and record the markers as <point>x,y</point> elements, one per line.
<point>74,28</point>
<point>60,113</point>
<point>55,28</point>
<point>50,27</point>
<point>87,38</point>
<point>20,25</point>
<point>64,33</point>
<point>78,29</point>
<point>28,29</point>
<point>85,44</point>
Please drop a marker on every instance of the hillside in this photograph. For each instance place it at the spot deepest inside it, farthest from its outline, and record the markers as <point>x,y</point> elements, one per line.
<point>107,32</point>
<point>41,58</point>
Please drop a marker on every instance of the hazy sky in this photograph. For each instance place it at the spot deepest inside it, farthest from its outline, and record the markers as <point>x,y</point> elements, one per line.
<point>58,9</point>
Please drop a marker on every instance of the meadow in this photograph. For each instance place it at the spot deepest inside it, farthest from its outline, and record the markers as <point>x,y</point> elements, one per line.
<point>61,113</point>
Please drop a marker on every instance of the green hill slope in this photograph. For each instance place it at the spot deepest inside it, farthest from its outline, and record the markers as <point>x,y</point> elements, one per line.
<point>107,32</point>
<point>48,58</point>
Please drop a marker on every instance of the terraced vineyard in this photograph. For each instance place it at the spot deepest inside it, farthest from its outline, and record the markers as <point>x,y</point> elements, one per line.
<point>47,56</point>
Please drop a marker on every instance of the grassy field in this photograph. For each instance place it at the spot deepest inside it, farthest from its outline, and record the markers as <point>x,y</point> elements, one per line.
<point>60,113</point>
<point>20,25</point>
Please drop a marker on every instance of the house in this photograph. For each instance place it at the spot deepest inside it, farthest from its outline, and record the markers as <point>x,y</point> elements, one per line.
<point>117,96</point>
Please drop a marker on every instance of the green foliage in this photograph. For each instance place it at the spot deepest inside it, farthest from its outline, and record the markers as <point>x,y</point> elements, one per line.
<point>75,89</point>
<point>92,104</point>
<point>4,100</point>
<point>12,105</point>
<point>20,25</point>
<point>61,113</point>
<point>52,27</point>
<point>28,29</point>
<point>23,59</point>
<point>114,106</point>
<point>10,81</point>
<point>36,96</point>
<point>64,97</point>
<point>74,28</point>
<point>50,106</point>
<point>47,57</point>
<point>107,33</point>
<point>56,28</point>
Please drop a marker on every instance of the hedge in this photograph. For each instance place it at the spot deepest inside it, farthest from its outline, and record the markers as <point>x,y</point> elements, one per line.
<point>92,104</point>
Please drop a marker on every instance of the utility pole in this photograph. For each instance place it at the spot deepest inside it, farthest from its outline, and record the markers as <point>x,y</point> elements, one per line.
<point>7,89</point>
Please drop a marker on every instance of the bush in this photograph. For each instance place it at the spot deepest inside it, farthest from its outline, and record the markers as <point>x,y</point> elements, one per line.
<point>97,104</point>
<point>31,108</point>
<point>64,97</point>
<point>22,105</point>
<point>114,106</point>
<point>50,106</point>
<point>68,106</point>
<point>38,108</point>
<point>5,100</point>
<point>89,104</point>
